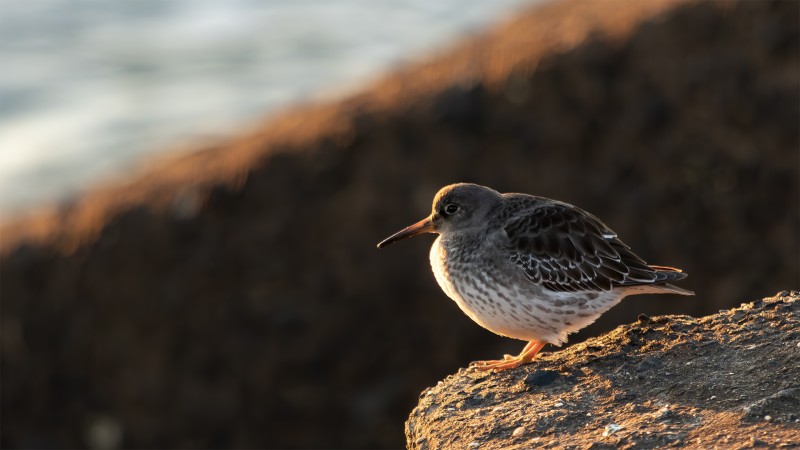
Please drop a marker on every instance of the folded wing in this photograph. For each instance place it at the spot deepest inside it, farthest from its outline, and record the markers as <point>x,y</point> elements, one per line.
<point>566,249</point>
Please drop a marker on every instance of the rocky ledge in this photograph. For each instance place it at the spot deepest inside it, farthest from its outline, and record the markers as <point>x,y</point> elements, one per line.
<point>729,380</point>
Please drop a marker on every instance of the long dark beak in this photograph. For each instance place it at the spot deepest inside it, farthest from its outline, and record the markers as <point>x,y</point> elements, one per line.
<point>423,226</point>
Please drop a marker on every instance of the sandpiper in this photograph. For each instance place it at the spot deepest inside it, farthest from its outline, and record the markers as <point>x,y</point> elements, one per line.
<point>528,267</point>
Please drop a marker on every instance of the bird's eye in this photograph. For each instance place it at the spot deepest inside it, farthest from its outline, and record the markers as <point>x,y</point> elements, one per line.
<point>451,209</point>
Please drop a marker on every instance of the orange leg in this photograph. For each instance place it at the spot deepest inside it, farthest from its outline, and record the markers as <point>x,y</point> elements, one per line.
<point>510,362</point>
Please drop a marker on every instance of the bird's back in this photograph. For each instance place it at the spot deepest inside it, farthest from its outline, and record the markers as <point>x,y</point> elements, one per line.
<point>566,249</point>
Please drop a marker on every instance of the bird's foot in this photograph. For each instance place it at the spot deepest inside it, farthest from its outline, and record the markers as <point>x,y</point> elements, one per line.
<point>512,362</point>
<point>509,362</point>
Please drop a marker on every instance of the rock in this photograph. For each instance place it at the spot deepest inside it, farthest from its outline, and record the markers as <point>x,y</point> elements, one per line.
<point>541,378</point>
<point>767,408</point>
<point>611,429</point>
<point>755,403</point>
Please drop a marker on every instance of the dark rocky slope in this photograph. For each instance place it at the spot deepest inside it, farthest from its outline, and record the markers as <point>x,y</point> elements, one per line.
<point>730,380</point>
<point>234,297</point>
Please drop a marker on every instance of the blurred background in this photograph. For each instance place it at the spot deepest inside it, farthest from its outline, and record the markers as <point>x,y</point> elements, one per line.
<point>233,297</point>
<point>90,86</point>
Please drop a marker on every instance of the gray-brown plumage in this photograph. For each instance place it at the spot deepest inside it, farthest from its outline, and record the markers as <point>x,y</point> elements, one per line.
<point>528,267</point>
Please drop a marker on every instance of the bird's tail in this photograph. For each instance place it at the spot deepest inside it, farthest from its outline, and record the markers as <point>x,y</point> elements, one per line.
<point>664,274</point>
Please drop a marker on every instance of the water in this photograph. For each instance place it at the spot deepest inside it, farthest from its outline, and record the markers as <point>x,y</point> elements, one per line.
<point>89,87</point>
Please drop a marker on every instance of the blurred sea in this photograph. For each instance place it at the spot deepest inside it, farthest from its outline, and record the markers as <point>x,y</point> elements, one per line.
<point>88,87</point>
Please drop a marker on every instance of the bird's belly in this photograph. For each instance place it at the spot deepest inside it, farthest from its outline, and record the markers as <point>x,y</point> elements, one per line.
<point>517,310</point>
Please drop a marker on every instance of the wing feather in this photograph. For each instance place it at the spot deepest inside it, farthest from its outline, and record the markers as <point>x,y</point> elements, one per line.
<point>566,249</point>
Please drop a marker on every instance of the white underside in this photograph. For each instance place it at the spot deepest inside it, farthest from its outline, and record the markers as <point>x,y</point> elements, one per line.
<point>516,313</point>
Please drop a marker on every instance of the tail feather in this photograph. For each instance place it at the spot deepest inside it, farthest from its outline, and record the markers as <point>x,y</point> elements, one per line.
<point>659,285</point>
<point>666,287</point>
<point>664,274</point>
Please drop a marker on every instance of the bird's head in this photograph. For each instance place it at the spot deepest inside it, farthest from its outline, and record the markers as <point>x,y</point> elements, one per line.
<point>456,207</point>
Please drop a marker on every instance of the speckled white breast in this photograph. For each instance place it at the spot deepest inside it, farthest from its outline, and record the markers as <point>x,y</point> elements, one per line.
<point>438,258</point>
<point>524,311</point>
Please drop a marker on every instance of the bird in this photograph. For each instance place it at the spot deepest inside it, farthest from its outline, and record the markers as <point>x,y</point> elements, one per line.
<point>528,267</point>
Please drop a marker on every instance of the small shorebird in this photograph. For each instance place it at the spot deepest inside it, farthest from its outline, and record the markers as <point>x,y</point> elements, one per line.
<point>528,267</point>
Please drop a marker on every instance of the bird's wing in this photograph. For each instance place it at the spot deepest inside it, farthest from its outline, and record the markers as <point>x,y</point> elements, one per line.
<point>566,249</point>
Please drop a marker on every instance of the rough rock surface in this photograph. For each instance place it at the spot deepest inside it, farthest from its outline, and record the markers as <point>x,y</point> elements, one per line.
<point>730,380</point>
<point>234,297</point>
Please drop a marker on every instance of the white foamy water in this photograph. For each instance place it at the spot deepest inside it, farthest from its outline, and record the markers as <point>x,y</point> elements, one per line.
<point>88,87</point>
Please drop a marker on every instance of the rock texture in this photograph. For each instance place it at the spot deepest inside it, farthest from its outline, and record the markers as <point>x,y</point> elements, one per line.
<point>234,297</point>
<point>730,380</point>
